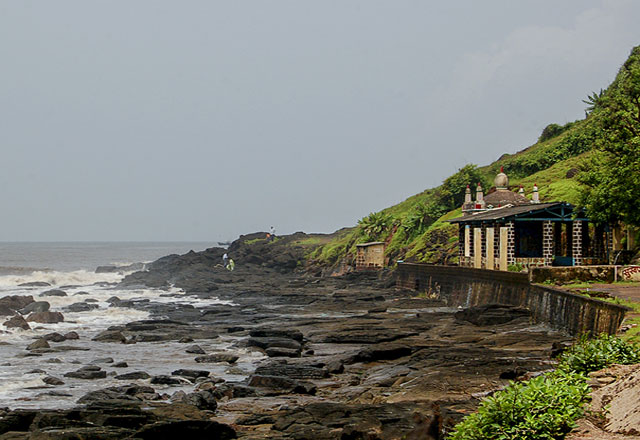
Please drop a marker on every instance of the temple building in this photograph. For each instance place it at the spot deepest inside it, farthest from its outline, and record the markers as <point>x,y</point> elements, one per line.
<point>505,228</point>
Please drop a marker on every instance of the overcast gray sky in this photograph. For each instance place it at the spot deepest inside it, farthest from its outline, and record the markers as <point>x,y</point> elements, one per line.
<point>202,119</point>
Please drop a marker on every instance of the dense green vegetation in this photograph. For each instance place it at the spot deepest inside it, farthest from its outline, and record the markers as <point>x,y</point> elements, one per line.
<point>593,162</point>
<point>612,178</point>
<point>546,407</point>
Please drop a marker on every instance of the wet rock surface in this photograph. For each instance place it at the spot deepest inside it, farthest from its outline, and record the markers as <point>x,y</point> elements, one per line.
<point>333,358</point>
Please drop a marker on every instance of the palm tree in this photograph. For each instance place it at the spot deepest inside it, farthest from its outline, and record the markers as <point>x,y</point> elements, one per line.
<point>592,101</point>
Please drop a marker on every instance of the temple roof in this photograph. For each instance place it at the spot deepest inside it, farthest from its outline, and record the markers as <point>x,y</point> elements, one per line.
<point>556,211</point>
<point>502,197</point>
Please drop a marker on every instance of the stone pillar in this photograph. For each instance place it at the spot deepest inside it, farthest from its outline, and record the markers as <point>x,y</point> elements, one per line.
<point>490,264</point>
<point>511,243</point>
<point>483,241</point>
<point>468,245</point>
<point>461,243</point>
<point>503,250</point>
<point>548,242</point>
<point>477,248</point>
<point>576,249</point>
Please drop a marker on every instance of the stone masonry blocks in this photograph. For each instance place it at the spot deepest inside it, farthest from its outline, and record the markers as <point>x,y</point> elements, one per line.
<point>548,242</point>
<point>576,248</point>
<point>511,243</point>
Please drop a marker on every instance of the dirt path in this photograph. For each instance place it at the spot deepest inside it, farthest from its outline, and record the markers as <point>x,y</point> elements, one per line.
<point>615,405</point>
<point>626,291</point>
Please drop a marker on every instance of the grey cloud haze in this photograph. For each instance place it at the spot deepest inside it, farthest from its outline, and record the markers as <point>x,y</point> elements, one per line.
<point>201,120</point>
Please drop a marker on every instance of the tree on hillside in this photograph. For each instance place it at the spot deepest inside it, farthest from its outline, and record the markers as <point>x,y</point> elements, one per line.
<point>451,193</point>
<point>592,101</point>
<point>612,182</point>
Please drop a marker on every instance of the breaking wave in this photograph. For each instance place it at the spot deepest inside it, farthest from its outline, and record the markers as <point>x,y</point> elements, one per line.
<point>56,278</point>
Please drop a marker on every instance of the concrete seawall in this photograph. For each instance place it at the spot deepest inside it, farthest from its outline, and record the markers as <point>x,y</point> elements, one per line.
<point>461,286</point>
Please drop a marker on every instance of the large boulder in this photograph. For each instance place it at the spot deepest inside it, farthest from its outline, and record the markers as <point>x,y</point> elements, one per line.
<point>81,307</point>
<point>17,321</point>
<point>15,302</point>
<point>134,375</point>
<point>165,380</point>
<point>89,372</point>
<point>125,392</point>
<point>6,311</point>
<point>36,306</point>
<point>204,400</point>
<point>54,292</point>
<point>55,337</point>
<point>282,352</point>
<point>110,336</point>
<point>46,317</point>
<point>219,357</point>
<point>265,343</point>
<point>40,343</point>
<point>281,385</point>
<point>190,374</point>
<point>35,284</point>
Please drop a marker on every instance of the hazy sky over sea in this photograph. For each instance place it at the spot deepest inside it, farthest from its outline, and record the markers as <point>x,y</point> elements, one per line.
<point>201,119</point>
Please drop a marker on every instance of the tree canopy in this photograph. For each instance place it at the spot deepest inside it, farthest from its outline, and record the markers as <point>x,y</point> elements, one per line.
<point>612,180</point>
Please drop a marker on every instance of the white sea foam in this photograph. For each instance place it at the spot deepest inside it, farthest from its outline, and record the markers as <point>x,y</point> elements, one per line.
<point>55,278</point>
<point>18,388</point>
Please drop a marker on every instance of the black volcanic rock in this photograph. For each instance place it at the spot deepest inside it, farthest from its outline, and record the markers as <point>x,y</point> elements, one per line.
<point>54,292</point>
<point>15,302</point>
<point>17,321</point>
<point>37,306</point>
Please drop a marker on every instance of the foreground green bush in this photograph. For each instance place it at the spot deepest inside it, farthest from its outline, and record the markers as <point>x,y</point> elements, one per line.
<point>542,408</point>
<point>546,407</point>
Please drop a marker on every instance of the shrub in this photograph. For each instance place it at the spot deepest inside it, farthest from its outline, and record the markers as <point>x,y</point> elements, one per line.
<point>373,226</point>
<point>594,354</point>
<point>546,407</point>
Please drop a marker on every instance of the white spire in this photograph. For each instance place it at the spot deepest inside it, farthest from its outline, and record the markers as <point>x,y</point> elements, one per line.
<point>535,197</point>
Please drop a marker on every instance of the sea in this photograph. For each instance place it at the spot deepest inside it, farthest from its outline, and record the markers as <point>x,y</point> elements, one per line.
<point>71,267</point>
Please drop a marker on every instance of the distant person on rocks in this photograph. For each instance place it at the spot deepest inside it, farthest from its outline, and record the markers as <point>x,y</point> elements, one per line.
<point>272,234</point>
<point>225,260</point>
<point>231,265</point>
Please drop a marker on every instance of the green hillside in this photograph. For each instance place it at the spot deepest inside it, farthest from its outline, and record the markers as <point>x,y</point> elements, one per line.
<point>416,229</point>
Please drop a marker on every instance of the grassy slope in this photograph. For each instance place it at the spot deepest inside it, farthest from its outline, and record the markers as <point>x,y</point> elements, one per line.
<point>438,243</point>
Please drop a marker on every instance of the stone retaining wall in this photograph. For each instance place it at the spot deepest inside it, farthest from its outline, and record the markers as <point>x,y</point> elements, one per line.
<point>572,274</point>
<point>462,286</point>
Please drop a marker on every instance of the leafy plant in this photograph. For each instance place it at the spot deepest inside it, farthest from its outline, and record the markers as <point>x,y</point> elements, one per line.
<point>554,130</point>
<point>420,218</point>
<point>592,101</point>
<point>594,354</point>
<point>611,183</point>
<point>546,407</point>
<point>374,225</point>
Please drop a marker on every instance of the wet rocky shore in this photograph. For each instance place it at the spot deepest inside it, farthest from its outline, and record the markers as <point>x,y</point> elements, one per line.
<point>347,357</point>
